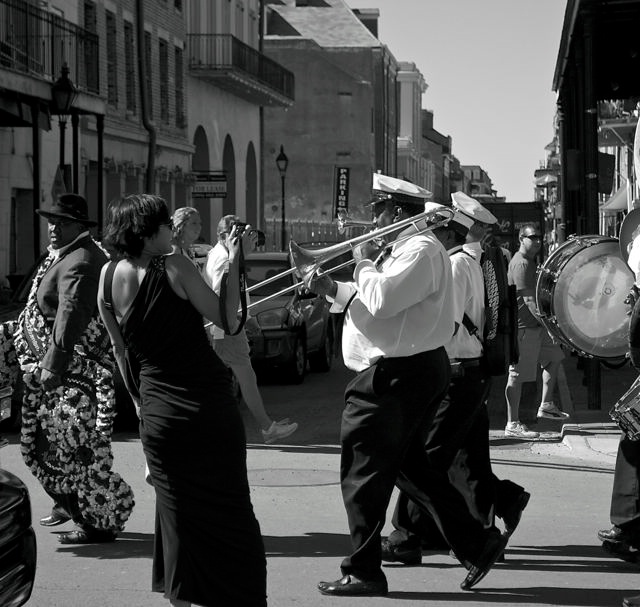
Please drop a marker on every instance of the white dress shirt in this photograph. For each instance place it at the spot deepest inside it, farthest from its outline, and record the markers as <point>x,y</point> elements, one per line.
<point>634,259</point>
<point>217,264</point>
<point>402,308</point>
<point>468,296</point>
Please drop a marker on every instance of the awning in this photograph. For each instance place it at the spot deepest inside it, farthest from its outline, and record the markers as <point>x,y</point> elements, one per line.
<point>617,202</point>
<point>544,180</point>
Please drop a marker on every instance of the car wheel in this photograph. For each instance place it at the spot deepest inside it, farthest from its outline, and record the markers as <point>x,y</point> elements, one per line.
<point>297,365</point>
<point>322,359</point>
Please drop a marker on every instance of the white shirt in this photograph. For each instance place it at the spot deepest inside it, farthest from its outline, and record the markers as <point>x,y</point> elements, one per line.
<point>217,264</point>
<point>402,309</point>
<point>468,296</point>
<point>634,259</point>
<point>215,268</point>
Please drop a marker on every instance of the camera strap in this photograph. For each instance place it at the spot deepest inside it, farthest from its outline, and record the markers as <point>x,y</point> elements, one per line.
<point>243,297</point>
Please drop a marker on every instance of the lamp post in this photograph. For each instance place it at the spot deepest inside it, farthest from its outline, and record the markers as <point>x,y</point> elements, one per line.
<point>64,93</point>
<point>282,162</point>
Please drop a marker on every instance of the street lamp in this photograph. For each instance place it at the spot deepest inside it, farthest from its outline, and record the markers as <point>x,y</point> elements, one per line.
<point>282,162</point>
<point>64,93</point>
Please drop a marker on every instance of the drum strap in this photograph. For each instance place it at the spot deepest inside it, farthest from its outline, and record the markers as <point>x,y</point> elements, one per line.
<point>469,326</point>
<point>243,297</point>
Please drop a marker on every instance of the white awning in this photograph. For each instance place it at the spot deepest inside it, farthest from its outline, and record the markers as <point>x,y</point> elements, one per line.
<point>617,202</point>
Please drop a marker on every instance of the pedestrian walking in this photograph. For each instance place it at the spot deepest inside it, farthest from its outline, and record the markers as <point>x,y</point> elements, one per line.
<point>62,348</point>
<point>208,548</point>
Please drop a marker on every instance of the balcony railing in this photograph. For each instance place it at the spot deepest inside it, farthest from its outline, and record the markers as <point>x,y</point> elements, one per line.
<point>225,54</point>
<point>38,43</point>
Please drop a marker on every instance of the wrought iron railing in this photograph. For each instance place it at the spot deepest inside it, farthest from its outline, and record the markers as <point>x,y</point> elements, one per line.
<point>224,51</point>
<point>38,43</point>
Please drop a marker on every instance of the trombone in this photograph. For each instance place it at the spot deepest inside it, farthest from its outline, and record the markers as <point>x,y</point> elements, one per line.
<point>307,262</point>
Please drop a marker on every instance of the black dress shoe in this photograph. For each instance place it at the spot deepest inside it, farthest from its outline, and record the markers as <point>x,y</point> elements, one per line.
<point>615,534</point>
<point>397,554</point>
<point>54,519</point>
<point>492,550</point>
<point>512,517</point>
<point>87,536</point>
<point>610,535</point>
<point>349,585</point>
<point>631,601</point>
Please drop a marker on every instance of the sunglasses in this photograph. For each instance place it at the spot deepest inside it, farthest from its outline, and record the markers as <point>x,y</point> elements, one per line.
<point>533,236</point>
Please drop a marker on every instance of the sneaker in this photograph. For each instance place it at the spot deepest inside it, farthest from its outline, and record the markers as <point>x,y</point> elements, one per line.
<point>550,411</point>
<point>278,431</point>
<point>519,430</point>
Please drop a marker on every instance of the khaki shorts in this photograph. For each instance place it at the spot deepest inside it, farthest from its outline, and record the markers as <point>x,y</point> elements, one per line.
<point>233,350</point>
<point>536,348</point>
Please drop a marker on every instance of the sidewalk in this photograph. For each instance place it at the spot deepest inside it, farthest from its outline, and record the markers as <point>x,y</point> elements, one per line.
<point>589,433</point>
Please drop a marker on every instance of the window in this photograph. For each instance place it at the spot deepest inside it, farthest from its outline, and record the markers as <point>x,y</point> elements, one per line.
<point>177,5</point>
<point>179,88</point>
<point>90,51</point>
<point>129,66</point>
<point>239,24</point>
<point>164,80</point>
<point>147,64</point>
<point>112,60</point>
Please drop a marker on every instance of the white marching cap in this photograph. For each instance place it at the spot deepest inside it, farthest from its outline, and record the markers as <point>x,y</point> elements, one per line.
<point>463,220</point>
<point>399,189</point>
<point>472,209</point>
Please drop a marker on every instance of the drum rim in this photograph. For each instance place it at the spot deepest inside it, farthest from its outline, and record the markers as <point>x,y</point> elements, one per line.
<point>551,277</point>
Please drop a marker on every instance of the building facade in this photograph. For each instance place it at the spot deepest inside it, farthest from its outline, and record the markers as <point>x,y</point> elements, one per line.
<point>168,98</point>
<point>345,115</point>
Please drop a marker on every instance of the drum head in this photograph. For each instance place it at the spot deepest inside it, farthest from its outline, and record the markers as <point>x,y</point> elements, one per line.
<point>587,296</point>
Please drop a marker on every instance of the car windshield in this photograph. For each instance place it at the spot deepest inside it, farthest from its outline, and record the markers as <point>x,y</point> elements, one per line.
<point>259,270</point>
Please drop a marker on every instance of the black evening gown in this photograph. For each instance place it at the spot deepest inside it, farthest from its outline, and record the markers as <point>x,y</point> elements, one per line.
<point>208,547</point>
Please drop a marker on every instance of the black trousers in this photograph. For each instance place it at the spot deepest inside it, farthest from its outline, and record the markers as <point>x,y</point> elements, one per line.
<point>625,496</point>
<point>389,410</point>
<point>457,445</point>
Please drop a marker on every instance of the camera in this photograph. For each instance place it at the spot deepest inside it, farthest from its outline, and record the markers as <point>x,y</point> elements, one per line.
<point>242,227</point>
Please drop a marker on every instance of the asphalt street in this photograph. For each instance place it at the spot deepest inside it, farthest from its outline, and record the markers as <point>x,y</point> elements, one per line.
<point>554,557</point>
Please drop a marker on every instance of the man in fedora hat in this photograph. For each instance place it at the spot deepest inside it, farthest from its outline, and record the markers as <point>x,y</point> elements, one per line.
<point>68,405</point>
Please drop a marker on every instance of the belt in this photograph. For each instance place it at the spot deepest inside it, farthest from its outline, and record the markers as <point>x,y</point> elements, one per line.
<point>469,362</point>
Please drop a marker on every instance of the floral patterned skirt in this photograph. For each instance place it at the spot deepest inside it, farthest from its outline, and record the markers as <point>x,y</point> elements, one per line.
<point>66,432</point>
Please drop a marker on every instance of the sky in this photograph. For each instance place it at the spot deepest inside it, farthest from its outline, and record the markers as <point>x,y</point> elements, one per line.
<point>489,67</point>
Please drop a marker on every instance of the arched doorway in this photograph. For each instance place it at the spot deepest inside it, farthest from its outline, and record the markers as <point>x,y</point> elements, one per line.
<point>254,216</point>
<point>229,167</point>
<point>200,162</point>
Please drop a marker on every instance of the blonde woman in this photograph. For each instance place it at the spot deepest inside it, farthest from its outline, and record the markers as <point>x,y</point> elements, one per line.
<point>186,224</point>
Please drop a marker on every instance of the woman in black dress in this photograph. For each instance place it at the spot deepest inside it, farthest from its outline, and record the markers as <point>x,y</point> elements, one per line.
<point>208,548</point>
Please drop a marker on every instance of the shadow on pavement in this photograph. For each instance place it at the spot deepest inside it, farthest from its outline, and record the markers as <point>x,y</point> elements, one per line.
<point>311,544</point>
<point>127,546</point>
<point>545,595</point>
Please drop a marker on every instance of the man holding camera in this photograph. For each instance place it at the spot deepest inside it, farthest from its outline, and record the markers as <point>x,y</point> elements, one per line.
<point>233,350</point>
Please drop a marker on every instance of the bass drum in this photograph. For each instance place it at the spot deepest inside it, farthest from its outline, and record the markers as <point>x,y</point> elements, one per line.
<point>580,293</point>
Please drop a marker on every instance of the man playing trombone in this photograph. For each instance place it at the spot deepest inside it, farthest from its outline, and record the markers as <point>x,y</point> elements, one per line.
<point>398,316</point>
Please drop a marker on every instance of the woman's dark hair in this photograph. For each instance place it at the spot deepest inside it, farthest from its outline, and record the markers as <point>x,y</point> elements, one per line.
<point>132,218</point>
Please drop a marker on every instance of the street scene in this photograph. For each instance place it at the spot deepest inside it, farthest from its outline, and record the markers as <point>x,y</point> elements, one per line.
<point>319,302</point>
<point>554,557</point>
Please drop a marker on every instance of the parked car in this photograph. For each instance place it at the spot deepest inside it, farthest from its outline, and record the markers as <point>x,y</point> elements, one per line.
<point>291,329</point>
<point>18,553</point>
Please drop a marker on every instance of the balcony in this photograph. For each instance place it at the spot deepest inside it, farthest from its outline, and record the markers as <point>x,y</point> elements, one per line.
<point>36,43</point>
<point>229,64</point>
